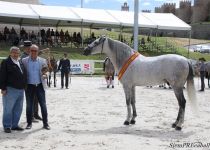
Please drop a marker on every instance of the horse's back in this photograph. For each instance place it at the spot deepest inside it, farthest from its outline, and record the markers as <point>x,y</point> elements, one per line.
<point>158,69</point>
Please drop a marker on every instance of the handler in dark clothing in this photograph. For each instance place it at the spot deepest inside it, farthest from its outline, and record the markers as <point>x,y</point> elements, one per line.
<point>202,73</point>
<point>65,67</point>
<point>13,81</point>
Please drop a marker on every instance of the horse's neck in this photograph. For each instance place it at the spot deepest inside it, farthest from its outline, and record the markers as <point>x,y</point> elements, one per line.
<point>119,53</point>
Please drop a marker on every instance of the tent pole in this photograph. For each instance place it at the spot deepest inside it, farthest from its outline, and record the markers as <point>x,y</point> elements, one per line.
<point>82,33</point>
<point>136,23</point>
<point>40,31</point>
<point>91,30</point>
<point>188,53</point>
<point>121,28</point>
<point>20,23</point>
<point>150,36</point>
<point>156,39</point>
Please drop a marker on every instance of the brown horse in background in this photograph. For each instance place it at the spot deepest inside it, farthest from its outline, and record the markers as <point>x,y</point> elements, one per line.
<point>52,64</point>
<point>109,72</point>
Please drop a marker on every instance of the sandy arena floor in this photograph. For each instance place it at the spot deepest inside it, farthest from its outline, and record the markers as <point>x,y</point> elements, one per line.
<point>88,116</point>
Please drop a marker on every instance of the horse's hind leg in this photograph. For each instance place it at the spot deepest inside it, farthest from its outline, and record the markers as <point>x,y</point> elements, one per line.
<point>54,79</point>
<point>107,81</point>
<point>49,81</point>
<point>112,81</point>
<point>181,100</point>
<point>127,91</point>
<point>133,104</point>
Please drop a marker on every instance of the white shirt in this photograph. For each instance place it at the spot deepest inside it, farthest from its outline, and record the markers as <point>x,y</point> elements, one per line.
<point>17,63</point>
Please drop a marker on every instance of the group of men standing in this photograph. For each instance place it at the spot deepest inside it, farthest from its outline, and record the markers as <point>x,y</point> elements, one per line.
<point>19,75</point>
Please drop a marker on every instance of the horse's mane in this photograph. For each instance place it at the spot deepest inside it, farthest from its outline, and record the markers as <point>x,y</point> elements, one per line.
<point>120,51</point>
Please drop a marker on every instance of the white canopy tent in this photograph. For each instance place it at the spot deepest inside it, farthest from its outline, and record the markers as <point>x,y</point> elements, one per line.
<point>25,14</point>
<point>95,17</point>
<point>126,19</point>
<point>17,13</point>
<point>55,15</point>
<point>167,21</point>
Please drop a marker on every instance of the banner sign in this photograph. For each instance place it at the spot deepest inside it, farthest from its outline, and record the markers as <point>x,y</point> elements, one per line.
<point>82,66</point>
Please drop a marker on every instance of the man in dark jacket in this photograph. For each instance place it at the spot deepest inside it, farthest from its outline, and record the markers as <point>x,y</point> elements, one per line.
<point>65,67</point>
<point>202,73</point>
<point>13,81</point>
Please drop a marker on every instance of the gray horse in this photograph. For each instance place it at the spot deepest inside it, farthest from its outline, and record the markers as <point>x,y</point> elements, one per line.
<point>109,72</point>
<point>174,69</point>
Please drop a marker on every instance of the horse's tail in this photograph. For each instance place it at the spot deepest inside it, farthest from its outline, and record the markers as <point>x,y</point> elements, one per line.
<point>191,90</point>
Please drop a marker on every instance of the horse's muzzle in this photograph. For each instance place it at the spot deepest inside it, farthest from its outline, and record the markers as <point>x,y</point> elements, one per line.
<point>87,51</point>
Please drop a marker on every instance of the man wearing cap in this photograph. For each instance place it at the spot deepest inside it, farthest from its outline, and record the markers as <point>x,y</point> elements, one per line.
<point>26,52</point>
<point>12,84</point>
<point>27,45</point>
<point>35,85</point>
<point>65,67</point>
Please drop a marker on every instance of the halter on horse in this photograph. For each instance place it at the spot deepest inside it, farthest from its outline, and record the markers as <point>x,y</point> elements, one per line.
<point>174,69</point>
<point>109,72</point>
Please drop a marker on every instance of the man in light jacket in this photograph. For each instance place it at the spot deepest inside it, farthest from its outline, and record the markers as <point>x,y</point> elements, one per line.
<point>35,85</point>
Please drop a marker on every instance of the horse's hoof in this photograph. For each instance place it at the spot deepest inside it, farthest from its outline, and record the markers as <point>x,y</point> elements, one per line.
<point>126,123</point>
<point>132,122</point>
<point>173,125</point>
<point>178,128</point>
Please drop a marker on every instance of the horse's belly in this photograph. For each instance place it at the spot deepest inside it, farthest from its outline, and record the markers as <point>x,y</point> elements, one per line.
<point>138,77</point>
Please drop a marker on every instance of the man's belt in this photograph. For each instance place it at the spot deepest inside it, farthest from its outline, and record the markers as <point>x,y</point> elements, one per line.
<point>36,85</point>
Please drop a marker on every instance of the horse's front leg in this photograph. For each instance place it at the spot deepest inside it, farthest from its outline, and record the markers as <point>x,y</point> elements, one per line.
<point>127,91</point>
<point>133,104</point>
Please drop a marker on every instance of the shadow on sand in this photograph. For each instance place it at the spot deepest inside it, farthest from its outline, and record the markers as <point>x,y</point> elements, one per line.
<point>159,134</point>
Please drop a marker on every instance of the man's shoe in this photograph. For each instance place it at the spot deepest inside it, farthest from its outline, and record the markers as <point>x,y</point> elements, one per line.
<point>67,87</point>
<point>7,130</point>
<point>47,127</point>
<point>38,117</point>
<point>18,128</point>
<point>201,90</point>
<point>29,126</point>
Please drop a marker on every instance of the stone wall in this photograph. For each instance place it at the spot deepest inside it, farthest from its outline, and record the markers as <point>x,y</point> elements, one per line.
<point>190,14</point>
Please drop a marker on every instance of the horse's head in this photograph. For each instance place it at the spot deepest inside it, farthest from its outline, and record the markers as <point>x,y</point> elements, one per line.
<point>95,47</point>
